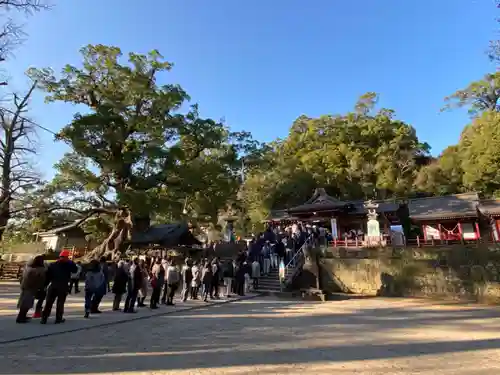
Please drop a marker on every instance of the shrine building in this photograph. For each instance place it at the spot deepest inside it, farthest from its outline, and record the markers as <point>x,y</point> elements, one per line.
<point>343,217</point>
<point>442,219</point>
<point>447,218</point>
<point>490,209</point>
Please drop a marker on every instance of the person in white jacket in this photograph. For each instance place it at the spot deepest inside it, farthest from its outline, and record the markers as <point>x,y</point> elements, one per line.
<point>196,282</point>
<point>172,277</point>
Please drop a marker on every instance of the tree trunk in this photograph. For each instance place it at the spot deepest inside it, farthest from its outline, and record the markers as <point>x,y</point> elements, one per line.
<point>3,224</point>
<point>114,244</point>
<point>4,214</point>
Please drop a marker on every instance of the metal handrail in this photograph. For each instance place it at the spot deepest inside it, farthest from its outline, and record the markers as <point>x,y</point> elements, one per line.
<point>299,253</point>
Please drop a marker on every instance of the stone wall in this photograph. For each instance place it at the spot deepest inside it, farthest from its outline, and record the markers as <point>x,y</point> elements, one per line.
<point>464,274</point>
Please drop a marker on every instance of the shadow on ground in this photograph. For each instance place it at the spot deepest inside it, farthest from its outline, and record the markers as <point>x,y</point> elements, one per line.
<point>260,332</point>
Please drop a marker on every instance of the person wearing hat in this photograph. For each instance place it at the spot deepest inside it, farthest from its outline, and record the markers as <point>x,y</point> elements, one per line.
<point>57,278</point>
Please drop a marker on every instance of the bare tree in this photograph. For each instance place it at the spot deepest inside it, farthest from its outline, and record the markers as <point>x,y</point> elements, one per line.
<point>17,175</point>
<point>11,32</point>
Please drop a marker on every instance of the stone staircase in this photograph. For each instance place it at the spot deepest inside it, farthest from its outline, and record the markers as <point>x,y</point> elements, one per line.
<point>271,282</point>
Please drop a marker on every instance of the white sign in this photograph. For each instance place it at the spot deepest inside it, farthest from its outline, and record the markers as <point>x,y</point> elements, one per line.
<point>334,228</point>
<point>468,231</point>
<point>431,233</point>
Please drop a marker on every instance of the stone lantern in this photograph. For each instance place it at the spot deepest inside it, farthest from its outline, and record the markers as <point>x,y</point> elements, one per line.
<point>229,217</point>
<point>373,238</point>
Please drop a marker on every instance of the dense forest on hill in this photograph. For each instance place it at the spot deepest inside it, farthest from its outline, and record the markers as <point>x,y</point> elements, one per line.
<point>135,153</point>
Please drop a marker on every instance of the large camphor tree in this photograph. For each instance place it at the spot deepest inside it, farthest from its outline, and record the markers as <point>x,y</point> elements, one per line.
<point>134,153</point>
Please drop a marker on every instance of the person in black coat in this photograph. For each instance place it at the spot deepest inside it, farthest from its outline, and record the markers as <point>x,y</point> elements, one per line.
<point>57,278</point>
<point>134,284</point>
<point>119,284</point>
<point>105,271</point>
<point>206,280</point>
<point>240,279</point>
<point>216,276</point>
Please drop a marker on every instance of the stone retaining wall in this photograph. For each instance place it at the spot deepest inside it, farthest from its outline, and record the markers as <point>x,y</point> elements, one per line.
<point>464,275</point>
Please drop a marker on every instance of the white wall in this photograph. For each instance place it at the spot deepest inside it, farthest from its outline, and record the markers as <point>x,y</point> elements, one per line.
<point>51,241</point>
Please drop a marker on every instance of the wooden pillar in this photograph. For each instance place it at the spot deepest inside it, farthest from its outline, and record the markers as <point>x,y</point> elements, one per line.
<point>478,233</point>
<point>424,232</point>
<point>460,231</point>
<point>440,232</point>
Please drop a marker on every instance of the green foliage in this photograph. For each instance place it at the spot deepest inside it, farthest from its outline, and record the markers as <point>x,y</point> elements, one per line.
<point>471,165</point>
<point>135,146</point>
<point>354,156</point>
<point>132,146</point>
<point>15,235</point>
<point>480,147</point>
<point>479,96</point>
<point>442,176</point>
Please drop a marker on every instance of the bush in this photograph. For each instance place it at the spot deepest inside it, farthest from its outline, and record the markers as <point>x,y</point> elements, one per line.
<point>406,280</point>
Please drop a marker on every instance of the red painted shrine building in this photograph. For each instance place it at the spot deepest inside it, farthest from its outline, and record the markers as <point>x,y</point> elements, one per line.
<point>449,219</point>
<point>348,216</point>
<point>490,210</point>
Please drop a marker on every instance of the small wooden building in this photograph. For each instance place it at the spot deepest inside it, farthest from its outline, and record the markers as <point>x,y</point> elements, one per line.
<point>490,209</point>
<point>64,237</point>
<point>447,218</point>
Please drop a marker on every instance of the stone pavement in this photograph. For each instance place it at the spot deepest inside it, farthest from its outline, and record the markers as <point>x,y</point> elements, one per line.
<point>10,331</point>
<point>268,336</point>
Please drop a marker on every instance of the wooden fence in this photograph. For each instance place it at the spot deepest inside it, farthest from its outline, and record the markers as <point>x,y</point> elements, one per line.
<point>411,242</point>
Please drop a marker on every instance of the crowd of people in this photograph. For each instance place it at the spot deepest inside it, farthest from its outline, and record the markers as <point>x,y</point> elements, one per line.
<point>279,244</point>
<point>131,281</point>
<point>135,279</point>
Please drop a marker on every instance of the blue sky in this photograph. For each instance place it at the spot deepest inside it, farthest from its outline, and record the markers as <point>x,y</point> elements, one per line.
<point>260,64</point>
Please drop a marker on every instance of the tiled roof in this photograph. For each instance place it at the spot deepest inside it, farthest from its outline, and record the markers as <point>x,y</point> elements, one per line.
<point>280,215</point>
<point>70,227</point>
<point>490,207</point>
<point>165,234</point>
<point>320,201</point>
<point>449,206</point>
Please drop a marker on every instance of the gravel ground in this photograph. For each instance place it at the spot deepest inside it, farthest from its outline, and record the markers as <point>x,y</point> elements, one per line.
<point>9,331</point>
<point>269,336</point>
